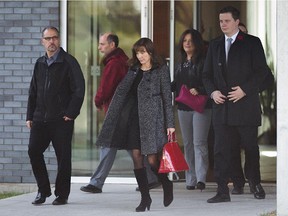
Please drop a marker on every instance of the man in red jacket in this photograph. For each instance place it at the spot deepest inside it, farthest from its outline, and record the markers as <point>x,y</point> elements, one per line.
<point>115,68</point>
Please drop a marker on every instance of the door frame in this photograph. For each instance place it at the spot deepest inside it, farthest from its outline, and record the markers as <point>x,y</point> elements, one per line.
<point>147,28</point>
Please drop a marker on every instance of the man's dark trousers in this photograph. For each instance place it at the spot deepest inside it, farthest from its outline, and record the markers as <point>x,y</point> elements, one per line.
<point>226,140</point>
<point>60,134</point>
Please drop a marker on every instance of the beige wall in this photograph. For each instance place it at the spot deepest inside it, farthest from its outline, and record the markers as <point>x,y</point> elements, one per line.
<point>282,108</point>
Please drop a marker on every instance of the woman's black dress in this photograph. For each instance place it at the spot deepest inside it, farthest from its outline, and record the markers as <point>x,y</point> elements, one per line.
<point>127,131</point>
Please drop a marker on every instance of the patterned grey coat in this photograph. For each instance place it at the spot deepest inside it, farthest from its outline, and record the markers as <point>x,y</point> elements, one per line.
<point>154,108</point>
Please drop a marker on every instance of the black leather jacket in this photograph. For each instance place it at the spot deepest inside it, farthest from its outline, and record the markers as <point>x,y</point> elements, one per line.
<point>56,90</point>
<point>193,80</point>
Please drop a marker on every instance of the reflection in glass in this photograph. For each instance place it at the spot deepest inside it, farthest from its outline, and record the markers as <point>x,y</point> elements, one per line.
<point>86,21</point>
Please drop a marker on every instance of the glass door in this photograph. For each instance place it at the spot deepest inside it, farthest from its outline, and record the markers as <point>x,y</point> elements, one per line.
<point>86,21</point>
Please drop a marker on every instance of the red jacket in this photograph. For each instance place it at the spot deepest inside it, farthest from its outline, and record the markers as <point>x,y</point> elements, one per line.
<point>115,69</point>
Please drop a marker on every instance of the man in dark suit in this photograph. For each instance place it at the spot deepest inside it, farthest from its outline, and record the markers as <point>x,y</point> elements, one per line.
<point>232,75</point>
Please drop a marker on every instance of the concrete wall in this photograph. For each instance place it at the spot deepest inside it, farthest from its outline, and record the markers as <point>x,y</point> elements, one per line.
<point>282,108</point>
<point>21,23</point>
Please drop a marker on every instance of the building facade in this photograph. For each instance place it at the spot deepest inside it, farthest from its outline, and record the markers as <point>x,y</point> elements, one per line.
<point>81,23</point>
<point>20,32</point>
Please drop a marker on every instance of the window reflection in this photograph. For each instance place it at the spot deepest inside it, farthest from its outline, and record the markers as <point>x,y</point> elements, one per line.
<point>86,21</point>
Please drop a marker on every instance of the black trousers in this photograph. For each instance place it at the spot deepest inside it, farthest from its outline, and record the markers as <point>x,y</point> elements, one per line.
<point>60,134</point>
<point>237,176</point>
<point>227,140</point>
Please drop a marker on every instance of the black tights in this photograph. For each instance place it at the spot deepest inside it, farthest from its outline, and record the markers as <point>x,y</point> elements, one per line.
<point>153,160</point>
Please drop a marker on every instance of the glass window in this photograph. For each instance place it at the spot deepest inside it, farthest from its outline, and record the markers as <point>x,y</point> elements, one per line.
<point>86,21</point>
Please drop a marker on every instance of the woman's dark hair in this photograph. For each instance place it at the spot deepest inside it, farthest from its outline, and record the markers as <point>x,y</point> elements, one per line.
<point>149,46</point>
<point>198,44</point>
<point>234,12</point>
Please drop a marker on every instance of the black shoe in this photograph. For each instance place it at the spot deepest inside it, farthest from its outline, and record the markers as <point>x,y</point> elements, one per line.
<point>190,187</point>
<point>259,192</point>
<point>201,186</point>
<point>219,198</point>
<point>91,189</point>
<point>60,201</point>
<point>151,186</point>
<point>237,190</point>
<point>40,198</point>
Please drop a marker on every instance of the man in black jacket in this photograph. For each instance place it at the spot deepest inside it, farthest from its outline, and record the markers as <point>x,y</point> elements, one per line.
<point>232,78</point>
<point>55,98</point>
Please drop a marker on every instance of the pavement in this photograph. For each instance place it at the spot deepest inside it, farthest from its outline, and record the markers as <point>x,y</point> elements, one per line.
<point>120,198</point>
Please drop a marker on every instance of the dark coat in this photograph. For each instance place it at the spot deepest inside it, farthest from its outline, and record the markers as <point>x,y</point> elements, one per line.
<point>246,67</point>
<point>268,81</point>
<point>154,108</point>
<point>57,90</point>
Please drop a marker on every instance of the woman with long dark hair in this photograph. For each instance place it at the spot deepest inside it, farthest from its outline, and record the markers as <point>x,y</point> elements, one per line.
<point>194,125</point>
<point>140,117</point>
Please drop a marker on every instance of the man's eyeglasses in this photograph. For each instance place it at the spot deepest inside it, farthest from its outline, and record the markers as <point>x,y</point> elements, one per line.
<point>49,38</point>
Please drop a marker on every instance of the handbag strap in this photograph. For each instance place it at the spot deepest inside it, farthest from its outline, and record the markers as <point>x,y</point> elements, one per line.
<point>172,137</point>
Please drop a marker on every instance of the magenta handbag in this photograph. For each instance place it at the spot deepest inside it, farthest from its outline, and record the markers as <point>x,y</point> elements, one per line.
<point>195,102</point>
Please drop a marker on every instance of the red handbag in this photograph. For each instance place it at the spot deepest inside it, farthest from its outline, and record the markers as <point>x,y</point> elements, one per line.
<point>172,157</point>
<point>195,102</point>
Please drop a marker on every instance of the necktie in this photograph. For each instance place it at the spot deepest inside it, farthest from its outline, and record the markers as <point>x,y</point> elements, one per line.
<point>229,42</point>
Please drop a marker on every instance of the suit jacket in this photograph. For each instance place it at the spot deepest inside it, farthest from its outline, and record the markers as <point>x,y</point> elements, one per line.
<point>247,68</point>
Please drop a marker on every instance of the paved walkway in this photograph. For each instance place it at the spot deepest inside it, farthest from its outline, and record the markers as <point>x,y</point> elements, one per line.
<point>121,198</point>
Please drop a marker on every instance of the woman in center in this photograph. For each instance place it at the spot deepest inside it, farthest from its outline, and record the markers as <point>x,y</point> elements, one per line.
<point>194,125</point>
<point>140,117</point>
